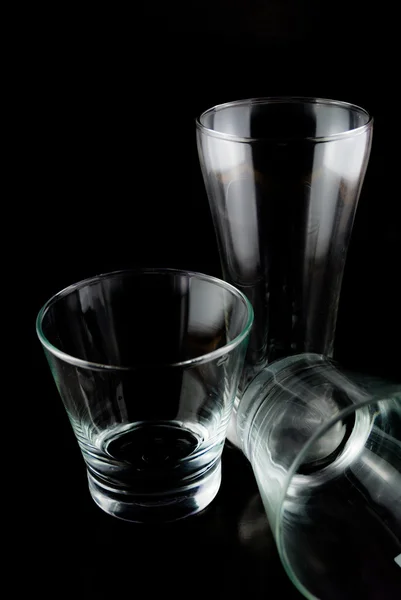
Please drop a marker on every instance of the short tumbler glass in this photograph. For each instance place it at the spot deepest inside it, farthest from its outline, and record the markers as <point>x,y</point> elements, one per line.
<point>147,364</point>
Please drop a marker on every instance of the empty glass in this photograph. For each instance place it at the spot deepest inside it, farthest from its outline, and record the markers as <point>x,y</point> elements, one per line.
<point>283,178</point>
<point>147,364</point>
<point>325,448</point>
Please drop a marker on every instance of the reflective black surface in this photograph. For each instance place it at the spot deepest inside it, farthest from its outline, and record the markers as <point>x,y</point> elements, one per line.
<point>110,179</point>
<point>226,551</point>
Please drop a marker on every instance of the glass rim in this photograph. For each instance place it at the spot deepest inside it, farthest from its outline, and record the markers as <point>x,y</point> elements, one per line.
<point>203,358</point>
<point>391,396</point>
<point>285,100</point>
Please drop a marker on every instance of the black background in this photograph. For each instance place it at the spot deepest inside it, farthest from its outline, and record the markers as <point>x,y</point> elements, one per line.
<point>108,177</point>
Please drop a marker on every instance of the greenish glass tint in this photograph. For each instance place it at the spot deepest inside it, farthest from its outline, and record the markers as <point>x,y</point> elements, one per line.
<point>325,447</point>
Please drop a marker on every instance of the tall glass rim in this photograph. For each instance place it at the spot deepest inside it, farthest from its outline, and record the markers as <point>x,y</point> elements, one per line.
<point>346,412</point>
<point>285,100</point>
<point>203,358</point>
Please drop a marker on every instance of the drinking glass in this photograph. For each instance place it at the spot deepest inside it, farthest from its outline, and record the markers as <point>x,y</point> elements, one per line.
<point>325,447</point>
<point>283,178</point>
<point>147,364</point>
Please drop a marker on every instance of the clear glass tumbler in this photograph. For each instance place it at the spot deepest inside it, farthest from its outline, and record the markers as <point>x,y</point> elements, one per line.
<point>147,364</point>
<point>325,447</point>
<point>283,178</point>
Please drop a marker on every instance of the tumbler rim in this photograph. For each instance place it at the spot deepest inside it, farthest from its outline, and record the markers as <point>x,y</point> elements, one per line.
<point>203,358</point>
<point>285,100</point>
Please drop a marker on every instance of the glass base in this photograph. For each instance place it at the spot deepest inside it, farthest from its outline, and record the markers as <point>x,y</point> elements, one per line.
<point>175,504</point>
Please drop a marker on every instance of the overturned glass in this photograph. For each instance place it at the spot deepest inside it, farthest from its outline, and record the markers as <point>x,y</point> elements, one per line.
<point>325,448</point>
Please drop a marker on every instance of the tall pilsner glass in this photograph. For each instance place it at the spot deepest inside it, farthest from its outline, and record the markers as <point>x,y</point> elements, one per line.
<point>283,178</point>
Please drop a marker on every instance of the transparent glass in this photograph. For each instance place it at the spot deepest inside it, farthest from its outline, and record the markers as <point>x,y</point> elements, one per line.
<point>283,177</point>
<point>325,447</point>
<point>147,364</point>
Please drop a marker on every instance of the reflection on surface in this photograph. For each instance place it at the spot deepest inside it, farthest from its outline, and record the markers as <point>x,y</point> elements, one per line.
<point>254,531</point>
